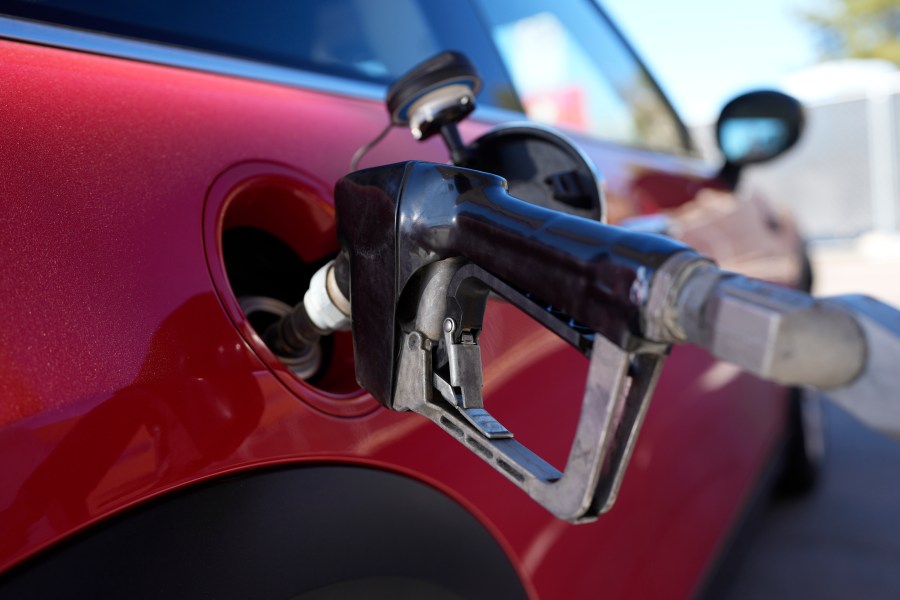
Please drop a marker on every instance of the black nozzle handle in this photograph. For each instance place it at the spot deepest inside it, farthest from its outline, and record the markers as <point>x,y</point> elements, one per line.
<point>395,220</point>
<point>597,274</point>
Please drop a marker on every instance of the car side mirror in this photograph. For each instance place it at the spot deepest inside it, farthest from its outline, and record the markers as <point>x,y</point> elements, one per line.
<point>756,127</point>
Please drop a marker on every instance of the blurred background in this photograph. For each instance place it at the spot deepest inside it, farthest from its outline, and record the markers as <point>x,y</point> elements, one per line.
<point>841,59</point>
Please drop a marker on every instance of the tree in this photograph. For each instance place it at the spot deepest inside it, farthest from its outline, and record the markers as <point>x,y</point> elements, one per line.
<point>857,29</point>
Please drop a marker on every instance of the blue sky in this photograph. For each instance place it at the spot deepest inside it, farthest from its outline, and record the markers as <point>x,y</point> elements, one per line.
<point>704,52</point>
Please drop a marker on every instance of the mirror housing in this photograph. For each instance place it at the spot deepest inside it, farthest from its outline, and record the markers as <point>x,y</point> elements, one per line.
<point>756,127</point>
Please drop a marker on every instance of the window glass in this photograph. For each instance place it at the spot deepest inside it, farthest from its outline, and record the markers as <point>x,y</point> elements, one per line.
<point>363,39</point>
<point>572,70</point>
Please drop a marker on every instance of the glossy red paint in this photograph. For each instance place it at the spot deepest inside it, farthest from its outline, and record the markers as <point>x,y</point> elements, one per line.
<point>127,371</point>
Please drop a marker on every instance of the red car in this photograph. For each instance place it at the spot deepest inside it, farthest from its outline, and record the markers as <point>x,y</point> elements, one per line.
<point>167,178</point>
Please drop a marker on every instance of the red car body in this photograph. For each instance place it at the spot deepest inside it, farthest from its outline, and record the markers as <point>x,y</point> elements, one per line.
<point>129,374</point>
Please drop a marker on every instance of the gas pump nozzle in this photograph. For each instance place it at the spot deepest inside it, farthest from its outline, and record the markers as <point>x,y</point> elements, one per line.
<point>423,246</point>
<point>426,244</point>
<point>394,221</point>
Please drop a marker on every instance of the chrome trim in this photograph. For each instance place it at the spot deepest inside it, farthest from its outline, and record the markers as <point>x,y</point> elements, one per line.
<point>108,45</point>
<point>60,36</point>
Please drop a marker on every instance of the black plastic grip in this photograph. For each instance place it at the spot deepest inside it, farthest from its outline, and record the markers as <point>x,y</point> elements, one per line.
<point>597,274</point>
<point>394,220</point>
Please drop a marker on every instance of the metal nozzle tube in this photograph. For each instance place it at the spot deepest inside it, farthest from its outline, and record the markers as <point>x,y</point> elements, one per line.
<point>324,310</point>
<point>781,334</point>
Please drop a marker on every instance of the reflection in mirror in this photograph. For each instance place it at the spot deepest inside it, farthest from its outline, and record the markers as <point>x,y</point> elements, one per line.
<point>753,139</point>
<point>756,127</point>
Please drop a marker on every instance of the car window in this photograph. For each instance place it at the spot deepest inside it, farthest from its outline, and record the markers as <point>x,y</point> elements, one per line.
<point>359,39</point>
<point>571,69</point>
